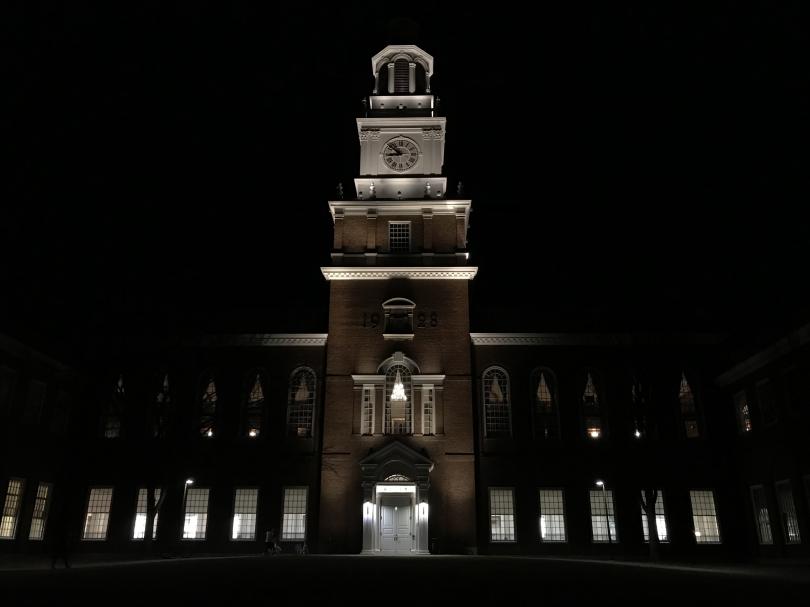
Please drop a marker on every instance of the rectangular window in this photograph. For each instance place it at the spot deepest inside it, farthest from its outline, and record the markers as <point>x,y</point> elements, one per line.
<point>704,517</point>
<point>196,518</point>
<point>427,410</point>
<point>294,519</point>
<point>139,532</point>
<point>367,422</point>
<point>603,518</point>
<point>742,412</point>
<point>767,404</point>
<point>244,514</point>
<point>502,515</point>
<point>787,512</point>
<point>40,515</point>
<point>660,518</point>
<point>399,236</point>
<point>552,516</point>
<point>762,518</point>
<point>97,516</point>
<point>11,509</point>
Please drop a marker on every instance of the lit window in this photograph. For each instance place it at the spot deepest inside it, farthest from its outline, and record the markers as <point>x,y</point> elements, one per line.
<point>660,518</point>
<point>139,531</point>
<point>552,516</point>
<point>196,517</point>
<point>97,516</point>
<point>787,511</point>
<point>399,236</point>
<point>114,409</point>
<point>163,403</point>
<point>301,406</point>
<point>502,515</point>
<point>254,408</point>
<point>762,517</point>
<point>208,409</point>
<point>704,517</point>
<point>686,398</point>
<point>294,519</point>
<point>497,410</point>
<point>427,410</point>
<point>367,422</point>
<point>545,419</point>
<point>398,400</point>
<point>591,409</point>
<point>11,509</point>
<point>603,519</point>
<point>244,514</point>
<point>40,514</point>
<point>766,398</point>
<point>743,413</point>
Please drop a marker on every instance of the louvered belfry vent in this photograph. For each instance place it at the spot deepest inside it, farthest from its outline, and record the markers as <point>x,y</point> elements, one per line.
<point>400,76</point>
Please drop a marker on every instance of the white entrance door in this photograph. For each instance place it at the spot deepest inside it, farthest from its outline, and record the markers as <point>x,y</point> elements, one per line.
<point>396,525</point>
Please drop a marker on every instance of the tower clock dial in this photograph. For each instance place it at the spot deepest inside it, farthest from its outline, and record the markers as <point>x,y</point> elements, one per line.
<point>400,154</point>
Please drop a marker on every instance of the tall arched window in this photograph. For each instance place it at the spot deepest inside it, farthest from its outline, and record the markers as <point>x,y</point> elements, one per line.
<point>497,407</point>
<point>398,400</point>
<point>301,404</point>
<point>254,406</point>
<point>163,403</point>
<point>208,408</point>
<point>689,413</point>
<point>114,410</point>
<point>546,412</point>
<point>592,407</point>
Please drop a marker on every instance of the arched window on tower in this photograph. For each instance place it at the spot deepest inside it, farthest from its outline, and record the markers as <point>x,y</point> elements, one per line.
<point>497,407</point>
<point>546,412</point>
<point>114,410</point>
<point>301,405</point>
<point>398,400</point>
<point>162,411</point>
<point>208,408</point>
<point>592,408</point>
<point>254,407</point>
<point>689,413</point>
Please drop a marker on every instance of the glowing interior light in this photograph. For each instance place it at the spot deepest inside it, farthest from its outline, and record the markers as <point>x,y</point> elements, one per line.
<point>594,433</point>
<point>637,434</point>
<point>253,433</point>
<point>398,393</point>
<point>210,433</point>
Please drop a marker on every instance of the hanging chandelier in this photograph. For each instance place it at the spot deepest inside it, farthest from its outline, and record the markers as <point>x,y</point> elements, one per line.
<point>398,393</point>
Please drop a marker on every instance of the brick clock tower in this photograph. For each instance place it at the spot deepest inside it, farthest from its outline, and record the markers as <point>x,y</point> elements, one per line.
<point>398,470</point>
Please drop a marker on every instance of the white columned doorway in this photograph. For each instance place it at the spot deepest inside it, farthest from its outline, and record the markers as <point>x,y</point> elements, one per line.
<point>396,525</point>
<point>394,522</point>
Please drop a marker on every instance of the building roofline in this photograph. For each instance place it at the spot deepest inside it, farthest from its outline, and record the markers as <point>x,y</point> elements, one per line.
<point>590,339</point>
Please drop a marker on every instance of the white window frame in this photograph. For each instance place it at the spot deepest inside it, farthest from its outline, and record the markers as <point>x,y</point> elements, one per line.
<point>660,516</point>
<point>244,509</point>
<point>104,497</point>
<point>605,501</point>
<point>557,492</point>
<point>506,405</point>
<point>39,516</point>
<point>513,539</point>
<point>138,533</point>
<point>391,249</point>
<point>186,533</point>
<point>12,503</point>
<point>696,523</point>
<point>764,539</point>
<point>428,420</point>
<point>285,535</point>
<point>788,509</point>
<point>368,397</point>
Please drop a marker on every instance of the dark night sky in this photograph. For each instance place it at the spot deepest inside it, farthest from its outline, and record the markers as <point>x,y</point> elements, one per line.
<point>630,168</point>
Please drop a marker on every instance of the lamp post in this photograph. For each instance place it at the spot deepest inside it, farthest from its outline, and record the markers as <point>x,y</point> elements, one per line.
<point>607,514</point>
<point>189,481</point>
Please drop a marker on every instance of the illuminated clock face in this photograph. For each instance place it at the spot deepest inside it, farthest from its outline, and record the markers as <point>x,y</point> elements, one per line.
<point>400,154</point>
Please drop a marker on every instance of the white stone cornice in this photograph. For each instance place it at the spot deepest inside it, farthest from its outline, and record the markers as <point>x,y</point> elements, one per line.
<point>412,273</point>
<point>264,339</point>
<point>403,124</point>
<point>436,380</point>
<point>586,339</point>
<point>401,207</point>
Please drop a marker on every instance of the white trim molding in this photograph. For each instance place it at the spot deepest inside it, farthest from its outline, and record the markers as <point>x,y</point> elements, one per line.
<point>264,339</point>
<point>436,380</point>
<point>413,273</point>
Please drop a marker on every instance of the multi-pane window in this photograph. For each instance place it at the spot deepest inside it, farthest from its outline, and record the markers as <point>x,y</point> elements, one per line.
<point>704,517</point>
<point>603,518</point>
<point>660,518</point>
<point>767,405</point>
<point>398,400</point>
<point>208,408</point>
<point>552,516</point>
<point>196,516</point>
<point>163,403</point>
<point>787,513</point>
<point>97,516</point>
<point>686,399</point>
<point>545,406</point>
<point>762,517</point>
<point>139,531</point>
<point>294,517</point>
<point>367,415</point>
<point>742,412</point>
<point>244,514</point>
<point>591,409</point>
<point>428,410</point>
<point>399,236</point>
<point>301,406</point>
<point>502,515</point>
<point>254,408</point>
<point>114,410</point>
<point>40,514</point>
<point>497,410</point>
<point>11,509</point>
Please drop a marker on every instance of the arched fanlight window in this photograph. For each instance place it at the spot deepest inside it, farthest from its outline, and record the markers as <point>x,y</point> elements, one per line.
<point>114,410</point>
<point>163,403</point>
<point>208,408</point>
<point>254,407</point>
<point>689,414</point>
<point>397,478</point>
<point>546,412</point>
<point>398,400</point>
<point>497,407</point>
<point>301,405</point>
<point>591,408</point>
